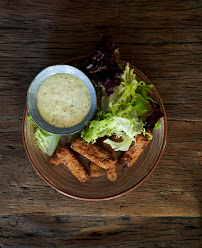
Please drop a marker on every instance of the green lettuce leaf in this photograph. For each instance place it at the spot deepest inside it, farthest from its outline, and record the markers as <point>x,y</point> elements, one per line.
<point>123,113</point>
<point>134,96</point>
<point>108,125</point>
<point>45,141</point>
<point>157,125</point>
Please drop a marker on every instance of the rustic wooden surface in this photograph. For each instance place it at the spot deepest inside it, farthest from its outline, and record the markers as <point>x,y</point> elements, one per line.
<point>163,40</point>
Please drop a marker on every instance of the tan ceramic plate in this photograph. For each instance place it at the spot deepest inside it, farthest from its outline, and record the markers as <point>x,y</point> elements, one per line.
<point>100,188</point>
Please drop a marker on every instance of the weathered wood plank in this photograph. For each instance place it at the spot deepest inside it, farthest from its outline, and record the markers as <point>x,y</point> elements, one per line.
<point>42,230</point>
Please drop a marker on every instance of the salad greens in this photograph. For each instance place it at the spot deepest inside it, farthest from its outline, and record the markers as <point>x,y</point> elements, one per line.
<point>133,96</point>
<point>46,141</point>
<point>126,106</point>
<point>126,114</point>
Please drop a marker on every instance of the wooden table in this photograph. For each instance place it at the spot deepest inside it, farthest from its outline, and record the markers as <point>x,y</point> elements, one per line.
<point>163,40</point>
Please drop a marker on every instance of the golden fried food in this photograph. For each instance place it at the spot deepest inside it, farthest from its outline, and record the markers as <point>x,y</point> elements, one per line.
<point>93,152</point>
<point>106,146</point>
<point>55,160</point>
<point>135,150</point>
<point>70,161</point>
<point>111,172</point>
<point>94,169</point>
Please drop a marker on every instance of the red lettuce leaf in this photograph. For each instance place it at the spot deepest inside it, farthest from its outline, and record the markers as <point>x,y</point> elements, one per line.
<point>103,64</point>
<point>154,115</point>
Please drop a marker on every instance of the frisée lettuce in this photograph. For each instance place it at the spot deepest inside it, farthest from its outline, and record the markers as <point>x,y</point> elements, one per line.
<point>126,114</point>
<point>108,125</point>
<point>133,96</point>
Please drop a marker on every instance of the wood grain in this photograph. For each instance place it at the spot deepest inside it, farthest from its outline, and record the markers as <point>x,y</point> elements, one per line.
<point>68,231</point>
<point>163,40</point>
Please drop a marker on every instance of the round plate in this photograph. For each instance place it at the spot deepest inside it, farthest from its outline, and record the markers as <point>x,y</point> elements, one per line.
<point>100,188</point>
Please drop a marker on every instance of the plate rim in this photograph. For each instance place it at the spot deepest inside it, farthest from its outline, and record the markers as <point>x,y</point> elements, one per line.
<point>145,78</point>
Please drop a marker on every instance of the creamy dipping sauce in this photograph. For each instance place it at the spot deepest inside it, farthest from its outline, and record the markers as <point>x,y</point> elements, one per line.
<point>63,100</point>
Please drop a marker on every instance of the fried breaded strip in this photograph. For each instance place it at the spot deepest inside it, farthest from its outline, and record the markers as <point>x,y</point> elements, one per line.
<point>94,169</point>
<point>55,160</point>
<point>106,146</point>
<point>69,160</point>
<point>93,152</point>
<point>135,149</point>
<point>111,172</point>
